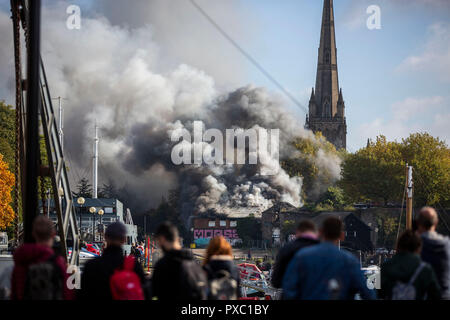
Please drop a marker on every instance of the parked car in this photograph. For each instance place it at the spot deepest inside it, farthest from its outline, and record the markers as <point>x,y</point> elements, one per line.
<point>91,247</point>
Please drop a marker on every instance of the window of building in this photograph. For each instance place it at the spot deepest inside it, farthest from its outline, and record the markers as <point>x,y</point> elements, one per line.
<point>233,223</point>
<point>212,223</point>
<point>223,223</point>
<point>108,210</point>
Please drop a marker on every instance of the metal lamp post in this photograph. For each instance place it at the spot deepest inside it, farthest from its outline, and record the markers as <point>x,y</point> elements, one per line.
<point>93,210</point>
<point>81,201</point>
<point>101,213</point>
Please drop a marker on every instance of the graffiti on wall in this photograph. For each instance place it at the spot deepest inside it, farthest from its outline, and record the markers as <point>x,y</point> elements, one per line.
<point>230,234</point>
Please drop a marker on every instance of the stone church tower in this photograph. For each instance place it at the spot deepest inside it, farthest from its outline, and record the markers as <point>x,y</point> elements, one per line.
<point>326,106</point>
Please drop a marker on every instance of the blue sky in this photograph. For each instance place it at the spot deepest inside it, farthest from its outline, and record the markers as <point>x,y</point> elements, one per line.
<point>395,80</point>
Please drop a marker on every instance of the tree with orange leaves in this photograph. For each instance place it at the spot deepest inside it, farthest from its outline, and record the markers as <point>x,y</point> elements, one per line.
<point>6,186</point>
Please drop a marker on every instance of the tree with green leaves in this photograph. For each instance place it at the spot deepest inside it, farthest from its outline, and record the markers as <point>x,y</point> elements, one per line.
<point>378,171</point>
<point>374,173</point>
<point>333,199</point>
<point>430,158</point>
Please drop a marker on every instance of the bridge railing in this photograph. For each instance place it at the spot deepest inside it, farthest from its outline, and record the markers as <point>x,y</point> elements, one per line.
<point>64,206</point>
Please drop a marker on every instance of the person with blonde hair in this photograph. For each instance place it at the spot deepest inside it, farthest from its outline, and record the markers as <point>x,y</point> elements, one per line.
<point>223,275</point>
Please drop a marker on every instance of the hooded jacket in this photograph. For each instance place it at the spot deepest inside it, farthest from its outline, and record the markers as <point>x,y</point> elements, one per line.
<point>27,255</point>
<point>436,251</point>
<point>170,277</point>
<point>400,269</point>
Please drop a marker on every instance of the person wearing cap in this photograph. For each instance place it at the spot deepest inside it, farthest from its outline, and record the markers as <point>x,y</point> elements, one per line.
<point>95,279</point>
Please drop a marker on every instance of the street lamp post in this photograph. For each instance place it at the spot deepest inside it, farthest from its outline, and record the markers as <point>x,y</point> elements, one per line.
<point>93,210</point>
<point>81,201</point>
<point>101,213</point>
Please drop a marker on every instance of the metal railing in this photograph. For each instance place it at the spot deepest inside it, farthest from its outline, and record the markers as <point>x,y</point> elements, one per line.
<point>64,206</point>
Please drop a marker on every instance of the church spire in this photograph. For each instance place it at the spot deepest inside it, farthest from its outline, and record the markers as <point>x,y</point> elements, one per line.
<point>327,106</point>
<point>327,82</point>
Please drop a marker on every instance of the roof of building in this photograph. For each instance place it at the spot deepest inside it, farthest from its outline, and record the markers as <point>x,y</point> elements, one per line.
<point>281,207</point>
<point>100,202</point>
<point>316,217</point>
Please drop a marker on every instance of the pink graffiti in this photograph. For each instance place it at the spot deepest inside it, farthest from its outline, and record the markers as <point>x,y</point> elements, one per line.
<point>210,233</point>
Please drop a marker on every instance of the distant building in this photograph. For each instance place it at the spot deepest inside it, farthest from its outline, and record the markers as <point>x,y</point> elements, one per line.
<point>358,235</point>
<point>326,105</point>
<point>113,210</point>
<point>207,227</point>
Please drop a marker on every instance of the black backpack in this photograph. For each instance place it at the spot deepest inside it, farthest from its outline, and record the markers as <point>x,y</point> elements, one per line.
<point>193,281</point>
<point>44,281</point>
<point>222,286</point>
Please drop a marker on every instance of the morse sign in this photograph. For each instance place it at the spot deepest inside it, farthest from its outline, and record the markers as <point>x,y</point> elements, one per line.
<point>211,233</point>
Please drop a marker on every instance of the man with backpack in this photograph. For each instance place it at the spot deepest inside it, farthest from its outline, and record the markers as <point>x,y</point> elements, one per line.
<point>113,276</point>
<point>39,273</point>
<point>177,277</point>
<point>406,276</point>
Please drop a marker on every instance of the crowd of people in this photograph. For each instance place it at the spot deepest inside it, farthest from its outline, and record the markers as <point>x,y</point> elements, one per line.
<point>312,267</point>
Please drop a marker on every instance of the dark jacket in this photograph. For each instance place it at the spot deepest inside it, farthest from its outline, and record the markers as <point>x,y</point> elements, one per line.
<point>323,272</point>
<point>219,263</point>
<point>97,273</point>
<point>400,269</point>
<point>27,255</point>
<point>285,256</point>
<point>169,281</point>
<point>436,251</point>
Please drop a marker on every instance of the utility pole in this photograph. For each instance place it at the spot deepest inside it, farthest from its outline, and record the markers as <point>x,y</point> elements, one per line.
<point>60,122</point>
<point>30,205</point>
<point>95,164</point>
<point>409,196</point>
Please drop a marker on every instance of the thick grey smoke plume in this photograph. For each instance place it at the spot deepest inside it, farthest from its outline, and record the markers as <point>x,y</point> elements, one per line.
<point>116,76</point>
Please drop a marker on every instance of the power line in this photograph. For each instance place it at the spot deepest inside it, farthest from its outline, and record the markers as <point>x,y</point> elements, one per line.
<point>249,57</point>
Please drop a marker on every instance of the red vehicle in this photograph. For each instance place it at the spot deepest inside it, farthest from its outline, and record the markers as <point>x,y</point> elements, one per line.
<point>91,248</point>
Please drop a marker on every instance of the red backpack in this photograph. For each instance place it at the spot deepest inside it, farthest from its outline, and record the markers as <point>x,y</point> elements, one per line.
<point>125,283</point>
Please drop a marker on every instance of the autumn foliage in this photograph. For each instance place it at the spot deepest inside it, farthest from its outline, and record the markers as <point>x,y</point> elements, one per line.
<point>6,186</point>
